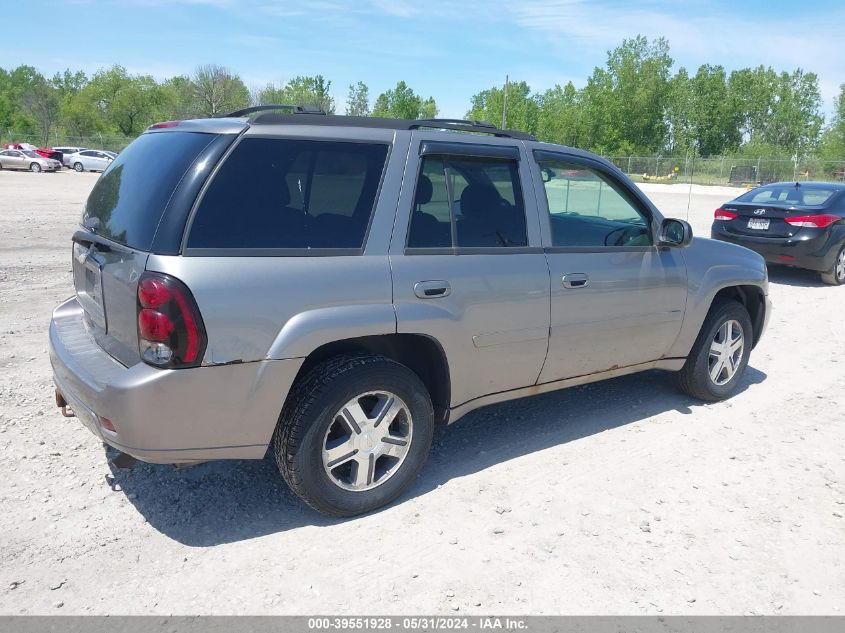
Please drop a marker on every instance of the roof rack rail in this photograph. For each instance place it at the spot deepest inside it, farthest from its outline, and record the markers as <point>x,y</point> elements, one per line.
<point>485,124</point>
<point>455,125</point>
<point>295,109</point>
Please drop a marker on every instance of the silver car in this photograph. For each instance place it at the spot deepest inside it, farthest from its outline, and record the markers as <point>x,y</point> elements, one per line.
<point>67,152</point>
<point>28,160</point>
<point>333,287</point>
<point>90,160</point>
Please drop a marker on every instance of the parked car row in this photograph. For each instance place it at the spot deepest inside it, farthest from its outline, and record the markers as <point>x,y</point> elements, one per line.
<point>36,159</point>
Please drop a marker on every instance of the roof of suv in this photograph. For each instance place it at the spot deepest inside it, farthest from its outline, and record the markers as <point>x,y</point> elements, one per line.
<point>264,115</point>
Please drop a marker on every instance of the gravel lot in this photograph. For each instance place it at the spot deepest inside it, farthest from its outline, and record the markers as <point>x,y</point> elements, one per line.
<point>621,497</point>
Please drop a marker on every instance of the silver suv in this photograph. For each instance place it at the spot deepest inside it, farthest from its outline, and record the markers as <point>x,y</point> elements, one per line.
<point>333,287</point>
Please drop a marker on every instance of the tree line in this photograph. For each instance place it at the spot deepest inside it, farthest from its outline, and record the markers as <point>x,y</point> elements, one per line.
<point>632,105</point>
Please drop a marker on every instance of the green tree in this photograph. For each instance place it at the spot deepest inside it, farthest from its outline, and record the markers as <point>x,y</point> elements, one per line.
<point>559,116</point>
<point>301,90</point>
<point>41,102</point>
<point>358,100</point>
<point>714,122</point>
<point>217,90</point>
<point>401,102</point>
<point>522,113</point>
<point>832,146</point>
<point>624,102</point>
<point>127,103</point>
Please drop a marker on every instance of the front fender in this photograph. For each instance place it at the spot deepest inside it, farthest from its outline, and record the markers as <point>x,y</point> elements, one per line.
<point>713,266</point>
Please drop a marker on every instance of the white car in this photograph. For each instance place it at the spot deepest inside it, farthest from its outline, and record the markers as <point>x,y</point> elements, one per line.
<point>27,159</point>
<point>90,160</point>
<point>67,151</point>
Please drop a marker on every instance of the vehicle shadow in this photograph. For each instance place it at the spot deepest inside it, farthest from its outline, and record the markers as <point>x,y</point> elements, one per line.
<point>228,501</point>
<point>798,277</point>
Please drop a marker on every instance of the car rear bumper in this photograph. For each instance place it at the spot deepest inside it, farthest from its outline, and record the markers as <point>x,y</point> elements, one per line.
<point>814,249</point>
<point>167,416</point>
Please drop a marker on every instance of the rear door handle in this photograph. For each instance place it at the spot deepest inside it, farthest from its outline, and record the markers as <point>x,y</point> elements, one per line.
<point>432,289</point>
<point>575,280</point>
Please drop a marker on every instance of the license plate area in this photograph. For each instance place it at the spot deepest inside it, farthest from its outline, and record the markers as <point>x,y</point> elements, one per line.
<point>88,280</point>
<point>758,224</point>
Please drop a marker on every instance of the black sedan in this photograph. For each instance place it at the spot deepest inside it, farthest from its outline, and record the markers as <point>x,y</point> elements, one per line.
<point>797,224</point>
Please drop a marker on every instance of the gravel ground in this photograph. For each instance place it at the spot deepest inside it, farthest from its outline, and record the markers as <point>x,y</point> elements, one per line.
<point>622,497</point>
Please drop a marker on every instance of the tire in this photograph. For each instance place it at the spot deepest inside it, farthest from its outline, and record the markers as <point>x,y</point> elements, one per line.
<point>78,167</point>
<point>312,421</point>
<point>695,377</point>
<point>836,275</point>
<point>35,168</point>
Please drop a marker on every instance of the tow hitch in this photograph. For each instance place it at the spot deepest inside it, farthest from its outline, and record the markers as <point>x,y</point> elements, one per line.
<point>64,406</point>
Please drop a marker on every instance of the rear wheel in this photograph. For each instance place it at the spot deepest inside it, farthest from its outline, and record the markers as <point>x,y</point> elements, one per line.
<point>836,275</point>
<point>35,168</point>
<point>354,433</point>
<point>720,354</point>
<point>77,167</point>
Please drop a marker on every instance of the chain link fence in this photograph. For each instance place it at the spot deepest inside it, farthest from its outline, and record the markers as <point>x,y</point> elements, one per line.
<point>109,142</point>
<point>728,170</point>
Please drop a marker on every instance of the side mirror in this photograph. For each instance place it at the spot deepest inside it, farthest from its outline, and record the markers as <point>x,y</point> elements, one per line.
<point>676,233</point>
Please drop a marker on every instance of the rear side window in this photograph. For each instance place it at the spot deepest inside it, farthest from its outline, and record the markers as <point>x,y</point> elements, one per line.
<point>468,203</point>
<point>283,193</point>
<point>129,199</point>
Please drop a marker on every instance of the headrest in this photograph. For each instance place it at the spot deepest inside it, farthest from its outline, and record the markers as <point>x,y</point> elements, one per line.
<point>480,200</point>
<point>424,190</point>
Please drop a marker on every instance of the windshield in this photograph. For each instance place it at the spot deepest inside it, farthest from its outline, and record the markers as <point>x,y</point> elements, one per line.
<point>129,199</point>
<point>789,195</point>
<point>30,153</point>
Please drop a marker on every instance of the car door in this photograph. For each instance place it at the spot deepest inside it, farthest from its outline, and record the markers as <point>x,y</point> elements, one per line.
<point>468,267</point>
<point>617,299</point>
<point>88,159</point>
<point>16,160</point>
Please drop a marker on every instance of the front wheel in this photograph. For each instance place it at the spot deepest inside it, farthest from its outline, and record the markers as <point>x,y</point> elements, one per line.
<point>836,275</point>
<point>77,167</point>
<point>720,354</point>
<point>35,168</point>
<point>354,434</point>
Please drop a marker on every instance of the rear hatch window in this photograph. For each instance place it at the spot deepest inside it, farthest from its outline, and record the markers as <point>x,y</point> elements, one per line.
<point>127,203</point>
<point>789,195</point>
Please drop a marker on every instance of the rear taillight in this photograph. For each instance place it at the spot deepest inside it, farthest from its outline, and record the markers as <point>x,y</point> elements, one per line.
<point>170,329</point>
<point>813,221</point>
<point>721,214</point>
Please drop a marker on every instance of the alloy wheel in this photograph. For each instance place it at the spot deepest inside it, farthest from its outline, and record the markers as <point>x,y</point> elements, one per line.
<point>367,441</point>
<point>726,350</point>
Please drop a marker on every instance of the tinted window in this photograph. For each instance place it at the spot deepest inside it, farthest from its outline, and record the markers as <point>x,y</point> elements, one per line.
<point>279,193</point>
<point>128,200</point>
<point>88,153</point>
<point>788,194</point>
<point>481,199</point>
<point>586,208</point>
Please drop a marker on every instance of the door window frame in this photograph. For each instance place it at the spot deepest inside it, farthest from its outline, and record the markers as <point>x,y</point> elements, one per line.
<point>469,150</point>
<point>632,197</point>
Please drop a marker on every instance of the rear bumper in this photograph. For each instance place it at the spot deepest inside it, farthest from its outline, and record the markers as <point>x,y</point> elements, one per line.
<point>167,416</point>
<point>814,249</point>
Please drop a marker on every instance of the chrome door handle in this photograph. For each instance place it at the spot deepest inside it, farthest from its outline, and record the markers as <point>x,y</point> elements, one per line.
<point>432,289</point>
<point>575,280</point>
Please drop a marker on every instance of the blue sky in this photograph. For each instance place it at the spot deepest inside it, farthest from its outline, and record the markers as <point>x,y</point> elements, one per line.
<point>446,49</point>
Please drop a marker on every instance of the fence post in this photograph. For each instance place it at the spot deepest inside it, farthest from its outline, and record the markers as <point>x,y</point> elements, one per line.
<point>721,169</point>
<point>629,165</point>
